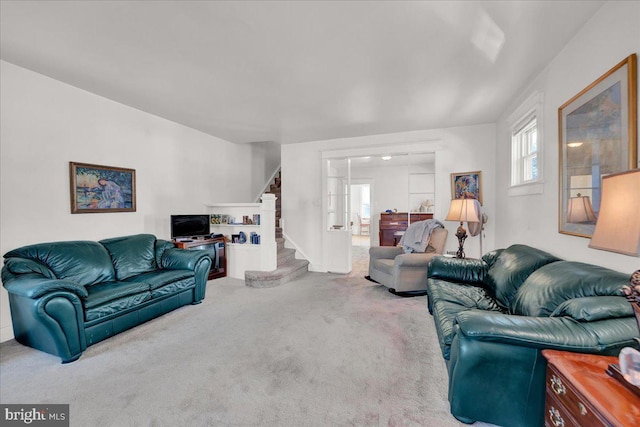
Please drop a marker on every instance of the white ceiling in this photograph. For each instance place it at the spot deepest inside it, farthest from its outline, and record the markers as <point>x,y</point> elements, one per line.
<point>296,71</point>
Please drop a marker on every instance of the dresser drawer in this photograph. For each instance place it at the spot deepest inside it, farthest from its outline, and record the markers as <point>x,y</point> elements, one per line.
<point>394,225</point>
<point>555,414</point>
<point>570,403</point>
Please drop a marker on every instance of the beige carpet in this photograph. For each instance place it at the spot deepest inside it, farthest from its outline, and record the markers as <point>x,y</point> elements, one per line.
<point>323,350</point>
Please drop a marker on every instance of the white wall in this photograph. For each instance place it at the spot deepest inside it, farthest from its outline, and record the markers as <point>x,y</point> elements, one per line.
<point>460,149</point>
<point>609,37</point>
<point>265,161</point>
<point>44,124</point>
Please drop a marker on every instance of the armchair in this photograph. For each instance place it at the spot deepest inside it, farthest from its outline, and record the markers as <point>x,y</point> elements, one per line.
<point>405,274</point>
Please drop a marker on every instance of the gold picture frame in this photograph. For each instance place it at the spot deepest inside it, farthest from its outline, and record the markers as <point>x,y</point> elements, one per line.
<point>466,185</point>
<point>597,134</point>
<point>100,189</point>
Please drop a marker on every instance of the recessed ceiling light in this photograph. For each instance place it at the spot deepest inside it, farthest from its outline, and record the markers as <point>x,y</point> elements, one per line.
<point>574,144</point>
<point>386,157</point>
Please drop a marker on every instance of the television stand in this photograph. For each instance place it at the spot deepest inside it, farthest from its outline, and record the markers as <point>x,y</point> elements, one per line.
<point>215,246</point>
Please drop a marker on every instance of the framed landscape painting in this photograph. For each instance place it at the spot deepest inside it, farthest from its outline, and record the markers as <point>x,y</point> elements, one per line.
<point>466,185</point>
<point>99,189</point>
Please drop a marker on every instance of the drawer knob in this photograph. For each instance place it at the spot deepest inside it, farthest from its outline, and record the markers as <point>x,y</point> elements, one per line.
<point>582,408</point>
<point>557,386</point>
<point>555,417</point>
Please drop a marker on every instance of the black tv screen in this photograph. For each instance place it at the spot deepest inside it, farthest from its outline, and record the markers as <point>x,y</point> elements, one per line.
<point>189,225</point>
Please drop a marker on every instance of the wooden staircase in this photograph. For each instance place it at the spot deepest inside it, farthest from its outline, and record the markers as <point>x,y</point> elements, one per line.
<point>288,267</point>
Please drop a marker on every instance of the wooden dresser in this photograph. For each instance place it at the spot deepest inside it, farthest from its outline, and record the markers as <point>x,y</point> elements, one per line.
<point>580,393</point>
<point>392,224</point>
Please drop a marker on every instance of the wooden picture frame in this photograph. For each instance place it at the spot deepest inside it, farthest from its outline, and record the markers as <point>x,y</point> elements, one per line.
<point>100,189</point>
<point>466,185</point>
<point>597,134</point>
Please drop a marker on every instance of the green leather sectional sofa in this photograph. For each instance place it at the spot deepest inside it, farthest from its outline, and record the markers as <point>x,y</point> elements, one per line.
<point>65,296</point>
<point>495,315</point>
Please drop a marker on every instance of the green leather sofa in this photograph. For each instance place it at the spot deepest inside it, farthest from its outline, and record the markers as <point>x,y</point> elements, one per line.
<point>65,296</point>
<point>494,316</point>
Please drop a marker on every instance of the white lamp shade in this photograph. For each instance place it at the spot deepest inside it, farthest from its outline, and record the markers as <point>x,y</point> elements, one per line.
<point>618,225</point>
<point>462,210</point>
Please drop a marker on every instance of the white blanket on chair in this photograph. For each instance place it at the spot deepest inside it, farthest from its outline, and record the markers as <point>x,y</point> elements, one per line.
<point>416,237</point>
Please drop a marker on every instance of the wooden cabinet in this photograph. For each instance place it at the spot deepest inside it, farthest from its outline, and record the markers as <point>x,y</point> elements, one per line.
<point>580,393</point>
<point>215,246</point>
<point>392,225</point>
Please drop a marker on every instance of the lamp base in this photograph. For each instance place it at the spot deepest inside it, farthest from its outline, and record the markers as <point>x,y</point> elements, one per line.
<point>461,234</point>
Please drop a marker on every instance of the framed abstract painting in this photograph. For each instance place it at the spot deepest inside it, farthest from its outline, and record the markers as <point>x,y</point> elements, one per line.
<point>466,185</point>
<point>598,137</point>
<point>99,189</point>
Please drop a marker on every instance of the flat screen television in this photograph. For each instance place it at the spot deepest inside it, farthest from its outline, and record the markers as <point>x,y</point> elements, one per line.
<point>190,226</point>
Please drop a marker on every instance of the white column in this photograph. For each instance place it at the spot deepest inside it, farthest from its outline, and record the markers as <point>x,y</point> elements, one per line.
<point>268,246</point>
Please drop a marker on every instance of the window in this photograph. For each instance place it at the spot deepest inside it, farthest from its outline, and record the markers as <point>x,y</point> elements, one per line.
<point>526,147</point>
<point>524,152</point>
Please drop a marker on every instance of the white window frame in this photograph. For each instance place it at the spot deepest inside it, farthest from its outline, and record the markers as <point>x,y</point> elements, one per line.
<point>519,120</point>
<point>520,153</point>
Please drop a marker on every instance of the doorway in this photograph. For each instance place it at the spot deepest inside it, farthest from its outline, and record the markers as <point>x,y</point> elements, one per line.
<point>361,213</point>
<point>361,229</point>
<point>404,183</point>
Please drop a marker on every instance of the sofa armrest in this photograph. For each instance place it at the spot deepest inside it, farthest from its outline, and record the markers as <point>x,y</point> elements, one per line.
<point>47,314</point>
<point>499,357</point>
<point>460,270</point>
<point>384,252</point>
<point>559,333</point>
<point>181,259</point>
<point>196,260</point>
<point>35,286</point>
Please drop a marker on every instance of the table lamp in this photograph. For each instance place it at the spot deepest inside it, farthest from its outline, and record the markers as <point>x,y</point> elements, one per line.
<point>618,230</point>
<point>618,225</point>
<point>462,210</point>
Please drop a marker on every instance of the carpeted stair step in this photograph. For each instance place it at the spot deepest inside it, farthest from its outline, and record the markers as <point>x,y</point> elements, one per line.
<point>282,274</point>
<point>286,255</point>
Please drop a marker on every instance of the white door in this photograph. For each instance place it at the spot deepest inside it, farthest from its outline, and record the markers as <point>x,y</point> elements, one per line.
<point>337,212</point>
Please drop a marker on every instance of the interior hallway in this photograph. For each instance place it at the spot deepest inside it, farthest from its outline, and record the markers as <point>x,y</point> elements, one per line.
<point>360,255</point>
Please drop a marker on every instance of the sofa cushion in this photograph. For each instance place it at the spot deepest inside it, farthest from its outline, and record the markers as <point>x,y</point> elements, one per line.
<point>132,255</point>
<point>444,316</point>
<point>447,300</point>
<point>109,291</point>
<point>466,295</point>
<point>512,267</point>
<point>589,309</point>
<point>81,262</point>
<point>159,278</point>
<point>553,284</point>
<point>459,270</point>
<point>115,306</point>
<point>173,288</point>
